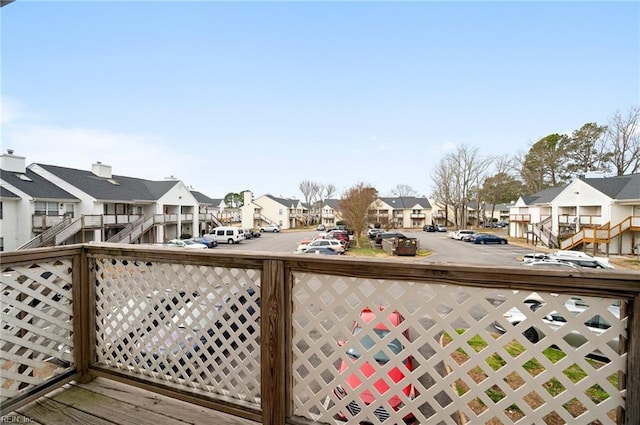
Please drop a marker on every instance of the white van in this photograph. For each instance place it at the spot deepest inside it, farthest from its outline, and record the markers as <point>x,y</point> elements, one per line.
<point>226,234</point>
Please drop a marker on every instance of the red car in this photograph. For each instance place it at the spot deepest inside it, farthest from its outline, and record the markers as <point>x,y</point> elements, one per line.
<point>368,370</point>
<point>342,235</point>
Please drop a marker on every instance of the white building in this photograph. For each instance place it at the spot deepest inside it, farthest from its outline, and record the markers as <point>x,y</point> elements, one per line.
<point>598,213</point>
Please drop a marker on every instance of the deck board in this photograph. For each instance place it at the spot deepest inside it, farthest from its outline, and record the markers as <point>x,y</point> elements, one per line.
<point>106,402</point>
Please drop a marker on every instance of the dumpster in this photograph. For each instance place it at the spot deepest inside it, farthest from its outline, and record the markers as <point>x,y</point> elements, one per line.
<point>406,246</point>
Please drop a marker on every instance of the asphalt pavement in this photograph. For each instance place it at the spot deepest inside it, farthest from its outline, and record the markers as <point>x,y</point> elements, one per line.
<point>442,248</point>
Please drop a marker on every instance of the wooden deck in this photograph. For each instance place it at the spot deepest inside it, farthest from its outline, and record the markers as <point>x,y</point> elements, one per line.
<point>106,402</point>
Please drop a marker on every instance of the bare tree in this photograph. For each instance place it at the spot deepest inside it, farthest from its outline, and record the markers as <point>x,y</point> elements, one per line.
<point>470,167</point>
<point>325,191</point>
<point>309,190</point>
<point>403,190</point>
<point>355,206</point>
<point>329,190</point>
<point>455,177</point>
<point>623,141</point>
<point>445,187</point>
<point>507,164</point>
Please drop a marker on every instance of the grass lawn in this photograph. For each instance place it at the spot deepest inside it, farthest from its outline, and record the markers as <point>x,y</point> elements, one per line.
<point>368,250</point>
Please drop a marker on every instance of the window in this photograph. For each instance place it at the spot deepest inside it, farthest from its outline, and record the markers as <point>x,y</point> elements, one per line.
<point>46,208</point>
<point>1,216</point>
<point>1,244</point>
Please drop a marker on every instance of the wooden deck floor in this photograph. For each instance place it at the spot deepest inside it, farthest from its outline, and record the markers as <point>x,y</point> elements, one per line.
<point>105,402</point>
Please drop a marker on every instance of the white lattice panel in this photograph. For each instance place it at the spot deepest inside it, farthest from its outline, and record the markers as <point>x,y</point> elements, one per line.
<point>195,326</point>
<point>37,330</point>
<point>467,355</point>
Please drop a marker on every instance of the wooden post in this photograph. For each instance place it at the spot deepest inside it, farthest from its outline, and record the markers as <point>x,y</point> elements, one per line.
<point>274,346</point>
<point>632,407</point>
<point>83,316</point>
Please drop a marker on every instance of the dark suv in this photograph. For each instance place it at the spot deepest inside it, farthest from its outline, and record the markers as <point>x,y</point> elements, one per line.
<point>387,235</point>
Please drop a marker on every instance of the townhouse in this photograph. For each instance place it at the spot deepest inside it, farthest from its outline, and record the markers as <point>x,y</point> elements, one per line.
<point>600,214</point>
<point>268,209</point>
<point>50,205</point>
<point>29,203</point>
<point>402,212</point>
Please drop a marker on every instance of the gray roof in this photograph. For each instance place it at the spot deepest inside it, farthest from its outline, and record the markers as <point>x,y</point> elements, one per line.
<point>204,199</point>
<point>332,203</point>
<point>406,202</point>
<point>617,187</point>
<point>545,196</point>
<point>116,188</point>
<point>6,193</point>
<point>35,186</point>
<point>284,201</point>
<point>488,206</point>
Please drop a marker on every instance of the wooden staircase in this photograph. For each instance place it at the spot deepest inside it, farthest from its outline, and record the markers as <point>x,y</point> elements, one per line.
<point>542,231</point>
<point>133,231</point>
<point>53,235</point>
<point>603,234</point>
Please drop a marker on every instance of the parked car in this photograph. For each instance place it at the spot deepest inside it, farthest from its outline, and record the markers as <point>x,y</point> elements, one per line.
<point>371,233</point>
<point>441,228</point>
<point>387,235</point>
<point>469,237</point>
<point>579,259</point>
<point>549,264</point>
<point>459,234</point>
<point>321,227</point>
<point>334,244</point>
<point>270,228</point>
<point>342,235</point>
<point>534,256</point>
<point>321,250</point>
<point>209,243</point>
<point>376,372</point>
<point>429,228</point>
<point>555,320</point>
<point>484,238</point>
<point>185,243</point>
<point>226,234</point>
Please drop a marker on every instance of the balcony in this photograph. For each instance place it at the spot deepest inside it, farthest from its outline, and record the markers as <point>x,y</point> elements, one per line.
<point>520,218</point>
<point>583,220</point>
<point>265,337</point>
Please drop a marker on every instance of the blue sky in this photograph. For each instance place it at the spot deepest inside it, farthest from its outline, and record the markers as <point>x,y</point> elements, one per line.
<point>257,95</point>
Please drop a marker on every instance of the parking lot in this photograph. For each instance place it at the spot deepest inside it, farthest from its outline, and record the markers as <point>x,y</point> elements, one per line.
<point>442,248</point>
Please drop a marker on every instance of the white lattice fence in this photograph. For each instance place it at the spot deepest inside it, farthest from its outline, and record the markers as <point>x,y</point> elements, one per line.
<point>457,355</point>
<point>37,330</point>
<point>193,326</point>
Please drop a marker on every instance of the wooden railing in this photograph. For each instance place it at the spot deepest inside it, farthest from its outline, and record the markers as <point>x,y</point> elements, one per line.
<point>543,231</point>
<point>520,218</point>
<point>601,235</point>
<point>582,220</point>
<point>269,337</point>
